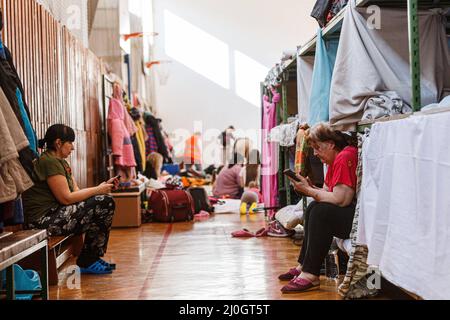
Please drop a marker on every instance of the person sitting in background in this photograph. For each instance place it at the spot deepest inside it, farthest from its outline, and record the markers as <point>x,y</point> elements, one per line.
<point>228,183</point>
<point>192,154</point>
<point>250,177</point>
<point>226,140</point>
<point>154,166</point>
<point>57,204</point>
<point>331,213</point>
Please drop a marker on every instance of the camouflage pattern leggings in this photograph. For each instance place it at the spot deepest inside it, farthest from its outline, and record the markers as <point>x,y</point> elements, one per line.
<point>92,217</point>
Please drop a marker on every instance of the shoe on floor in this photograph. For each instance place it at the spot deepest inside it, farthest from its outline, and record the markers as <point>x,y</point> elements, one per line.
<point>244,233</point>
<point>278,231</point>
<point>300,285</point>
<point>290,275</point>
<point>252,208</point>
<point>96,268</point>
<point>243,209</point>
<point>111,266</point>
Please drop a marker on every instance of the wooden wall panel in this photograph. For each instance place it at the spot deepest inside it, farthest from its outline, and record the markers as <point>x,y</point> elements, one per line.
<point>61,79</point>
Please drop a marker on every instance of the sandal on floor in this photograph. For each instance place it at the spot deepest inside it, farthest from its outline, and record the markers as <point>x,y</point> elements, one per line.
<point>111,266</point>
<point>244,233</point>
<point>96,268</point>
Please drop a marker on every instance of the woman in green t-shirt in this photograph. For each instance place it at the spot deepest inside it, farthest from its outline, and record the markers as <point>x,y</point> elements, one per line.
<point>57,204</point>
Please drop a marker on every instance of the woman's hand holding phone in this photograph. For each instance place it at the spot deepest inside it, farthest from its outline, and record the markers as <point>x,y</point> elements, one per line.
<point>114,181</point>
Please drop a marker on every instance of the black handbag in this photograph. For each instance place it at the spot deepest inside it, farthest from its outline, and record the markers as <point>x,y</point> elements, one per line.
<point>201,200</point>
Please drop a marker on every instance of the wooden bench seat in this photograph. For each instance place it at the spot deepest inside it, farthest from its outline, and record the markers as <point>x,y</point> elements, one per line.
<point>17,246</point>
<point>19,242</point>
<point>60,249</point>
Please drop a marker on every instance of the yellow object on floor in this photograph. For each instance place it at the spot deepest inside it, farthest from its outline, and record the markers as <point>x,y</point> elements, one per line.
<point>252,208</point>
<point>243,209</point>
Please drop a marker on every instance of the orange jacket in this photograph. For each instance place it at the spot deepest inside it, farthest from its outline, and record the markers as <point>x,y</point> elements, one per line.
<point>192,154</point>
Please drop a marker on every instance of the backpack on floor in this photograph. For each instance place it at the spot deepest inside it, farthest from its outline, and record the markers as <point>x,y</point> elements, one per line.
<point>172,206</point>
<point>201,200</point>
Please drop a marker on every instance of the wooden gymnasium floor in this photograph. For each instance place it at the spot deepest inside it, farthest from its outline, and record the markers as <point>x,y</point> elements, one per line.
<point>194,261</point>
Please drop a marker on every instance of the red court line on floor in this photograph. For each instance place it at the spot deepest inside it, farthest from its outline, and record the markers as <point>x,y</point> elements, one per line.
<point>156,262</point>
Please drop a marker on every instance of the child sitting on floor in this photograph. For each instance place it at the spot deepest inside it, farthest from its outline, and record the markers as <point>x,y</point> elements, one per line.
<point>250,175</point>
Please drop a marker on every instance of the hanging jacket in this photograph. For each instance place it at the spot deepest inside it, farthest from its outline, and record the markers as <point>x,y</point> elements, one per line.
<point>151,121</point>
<point>16,93</point>
<point>140,136</point>
<point>150,145</point>
<point>13,90</point>
<point>122,147</point>
<point>13,178</point>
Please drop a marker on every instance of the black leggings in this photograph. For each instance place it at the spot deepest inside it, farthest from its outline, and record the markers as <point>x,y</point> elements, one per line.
<point>323,221</point>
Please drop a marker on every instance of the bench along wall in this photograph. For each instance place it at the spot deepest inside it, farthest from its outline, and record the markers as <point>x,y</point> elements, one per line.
<point>62,81</point>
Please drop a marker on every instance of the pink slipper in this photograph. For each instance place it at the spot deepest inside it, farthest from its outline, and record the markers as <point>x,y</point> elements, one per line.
<point>244,233</point>
<point>202,215</point>
<point>300,285</point>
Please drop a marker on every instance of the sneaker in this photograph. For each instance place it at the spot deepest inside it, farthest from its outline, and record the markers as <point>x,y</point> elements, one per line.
<point>243,209</point>
<point>261,233</point>
<point>300,285</point>
<point>290,275</point>
<point>278,231</point>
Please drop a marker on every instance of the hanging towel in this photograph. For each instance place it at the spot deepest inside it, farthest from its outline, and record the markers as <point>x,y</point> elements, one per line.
<point>382,57</point>
<point>404,215</point>
<point>305,67</point>
<point>321,83</point>
<point>122,146</point>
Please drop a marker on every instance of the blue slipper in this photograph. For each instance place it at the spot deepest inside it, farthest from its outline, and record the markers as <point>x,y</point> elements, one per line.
<point>96,268</point>
<point>111,266</point>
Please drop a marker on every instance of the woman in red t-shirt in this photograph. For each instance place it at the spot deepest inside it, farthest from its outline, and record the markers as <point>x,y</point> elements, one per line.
<point>331,214</point>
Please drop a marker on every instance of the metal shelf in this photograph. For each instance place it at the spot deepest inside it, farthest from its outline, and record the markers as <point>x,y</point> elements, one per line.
<point>333,28</point>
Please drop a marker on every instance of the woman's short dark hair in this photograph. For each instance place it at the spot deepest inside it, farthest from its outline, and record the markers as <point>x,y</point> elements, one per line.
<point>55,132</point>
<point>322,132</point>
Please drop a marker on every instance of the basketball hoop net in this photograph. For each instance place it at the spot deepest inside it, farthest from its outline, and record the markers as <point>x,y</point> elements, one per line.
<point>162,69</point>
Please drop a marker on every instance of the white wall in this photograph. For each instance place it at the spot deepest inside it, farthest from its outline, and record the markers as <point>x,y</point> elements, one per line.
<point>221,50</point>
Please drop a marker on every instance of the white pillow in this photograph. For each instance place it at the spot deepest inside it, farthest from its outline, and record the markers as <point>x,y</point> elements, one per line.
<point>290,216</point>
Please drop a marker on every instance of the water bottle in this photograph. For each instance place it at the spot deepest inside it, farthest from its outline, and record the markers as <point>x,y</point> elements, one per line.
<point>332,265</point>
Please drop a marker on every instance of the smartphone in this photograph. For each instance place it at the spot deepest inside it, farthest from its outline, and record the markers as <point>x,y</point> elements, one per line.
<point>291,174</point>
